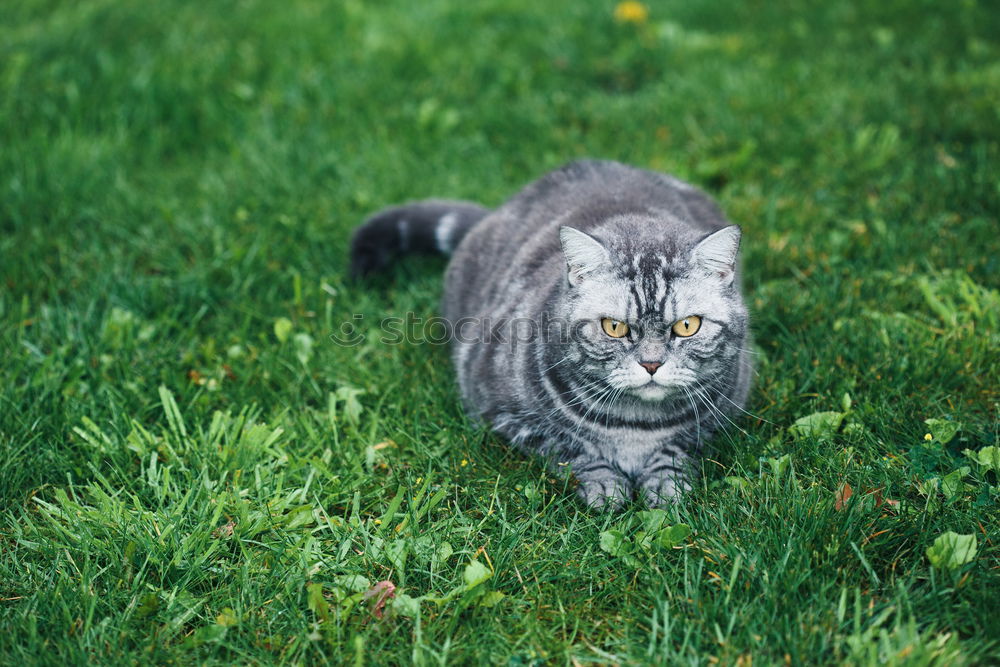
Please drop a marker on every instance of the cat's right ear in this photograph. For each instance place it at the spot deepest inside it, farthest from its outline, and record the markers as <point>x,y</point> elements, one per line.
<point>716,253</point>
<point>584,254</point>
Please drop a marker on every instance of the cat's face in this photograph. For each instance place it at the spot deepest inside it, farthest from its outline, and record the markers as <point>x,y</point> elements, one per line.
<point>655,325</point>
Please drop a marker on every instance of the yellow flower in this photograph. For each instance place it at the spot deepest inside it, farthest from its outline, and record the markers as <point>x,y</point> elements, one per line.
<point>465,462</point>
<point>631,11</point>
<point>928,436</point>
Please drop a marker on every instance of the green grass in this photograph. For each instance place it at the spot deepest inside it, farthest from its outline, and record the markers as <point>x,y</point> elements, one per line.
<point>179,484</point>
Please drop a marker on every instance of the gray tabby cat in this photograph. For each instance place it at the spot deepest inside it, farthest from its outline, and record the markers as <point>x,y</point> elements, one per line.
<point>598,319</point>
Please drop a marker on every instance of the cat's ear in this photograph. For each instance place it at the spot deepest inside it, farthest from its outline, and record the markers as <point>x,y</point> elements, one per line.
<point>717,252</point>
<point>584,254</point>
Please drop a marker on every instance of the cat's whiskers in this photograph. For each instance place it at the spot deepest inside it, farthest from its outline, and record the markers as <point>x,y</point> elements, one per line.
<point>706,400</point>
<point>592,395</point>
<point>753,370</point>
<point>561,361</point>
<point>583,420</point>
<point>584,393</point>
<point>697,417</point>
<point>745,411</point>
<point>542,393</point>
<point>611,403</point>
<point>582,390</point>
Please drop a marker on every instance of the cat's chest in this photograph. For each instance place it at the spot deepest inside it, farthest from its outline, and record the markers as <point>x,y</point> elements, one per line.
<point>632,449</point>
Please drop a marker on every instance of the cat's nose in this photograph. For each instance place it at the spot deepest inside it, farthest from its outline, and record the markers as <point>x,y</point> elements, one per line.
<point>650,366</point>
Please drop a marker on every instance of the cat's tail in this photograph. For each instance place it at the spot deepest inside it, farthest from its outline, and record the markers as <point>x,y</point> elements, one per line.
<point>431,226</point>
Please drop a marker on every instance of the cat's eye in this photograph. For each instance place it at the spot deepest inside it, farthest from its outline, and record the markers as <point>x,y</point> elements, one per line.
<point>687,327</point>
<point>614,328</point>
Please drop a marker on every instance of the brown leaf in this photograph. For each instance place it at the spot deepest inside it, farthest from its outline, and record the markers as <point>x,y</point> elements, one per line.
<point>880,500</point>
<point>844,494</point>
<point>377,595</point>
<point>224,531</point>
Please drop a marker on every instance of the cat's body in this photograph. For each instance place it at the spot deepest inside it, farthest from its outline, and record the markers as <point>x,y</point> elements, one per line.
<point>538,292</point>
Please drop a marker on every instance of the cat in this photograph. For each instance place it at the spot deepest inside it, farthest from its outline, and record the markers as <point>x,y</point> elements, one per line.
<point>597,316</point>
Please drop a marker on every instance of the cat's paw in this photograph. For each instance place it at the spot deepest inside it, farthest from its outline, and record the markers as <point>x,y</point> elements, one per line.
<point>662,491</point>
<point>610,493</point>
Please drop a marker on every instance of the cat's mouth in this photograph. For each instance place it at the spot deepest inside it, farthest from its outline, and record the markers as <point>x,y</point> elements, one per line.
<point>653,391</point>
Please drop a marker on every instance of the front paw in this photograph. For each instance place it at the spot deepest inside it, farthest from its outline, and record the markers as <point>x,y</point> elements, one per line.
<point>661,491</point>
<point>606,492</point>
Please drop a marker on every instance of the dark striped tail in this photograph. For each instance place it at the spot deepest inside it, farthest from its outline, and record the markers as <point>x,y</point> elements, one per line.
<point>432,226</point>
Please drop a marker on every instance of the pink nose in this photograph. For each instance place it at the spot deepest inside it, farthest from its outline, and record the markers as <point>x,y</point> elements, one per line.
<point>650,366</point>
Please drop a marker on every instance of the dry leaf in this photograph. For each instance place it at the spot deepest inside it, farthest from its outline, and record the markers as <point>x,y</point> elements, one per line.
<point>844,494</point>
<point>377,595</point>
<point>879,499</point>
<point>224,531</point>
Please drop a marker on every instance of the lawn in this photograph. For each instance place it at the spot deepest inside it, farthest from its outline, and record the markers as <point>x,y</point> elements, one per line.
<point>193,471</point>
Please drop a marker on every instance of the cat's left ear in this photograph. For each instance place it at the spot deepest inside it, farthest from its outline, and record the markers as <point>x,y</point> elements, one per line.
<point>717,252</point>
<point>583,253</point>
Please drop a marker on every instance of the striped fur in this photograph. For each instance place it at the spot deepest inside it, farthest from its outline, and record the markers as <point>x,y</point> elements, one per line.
<point>635,246</point>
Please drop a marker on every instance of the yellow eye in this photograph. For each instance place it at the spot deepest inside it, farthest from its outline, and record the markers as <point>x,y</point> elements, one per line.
<point>614,328</point>
<point>688,326</point>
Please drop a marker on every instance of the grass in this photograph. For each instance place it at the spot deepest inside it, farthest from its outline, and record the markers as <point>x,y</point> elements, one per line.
<point>193,472</point>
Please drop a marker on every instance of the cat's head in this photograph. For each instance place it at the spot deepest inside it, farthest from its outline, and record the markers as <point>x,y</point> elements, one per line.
<point>653,315</point>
